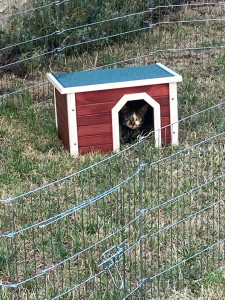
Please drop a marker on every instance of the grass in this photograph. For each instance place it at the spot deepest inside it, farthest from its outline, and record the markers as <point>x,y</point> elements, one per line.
<point>32,155</point>
<point>210,287</point>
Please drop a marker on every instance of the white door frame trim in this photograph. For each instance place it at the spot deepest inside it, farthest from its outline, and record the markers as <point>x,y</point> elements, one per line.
<point>115,117</point>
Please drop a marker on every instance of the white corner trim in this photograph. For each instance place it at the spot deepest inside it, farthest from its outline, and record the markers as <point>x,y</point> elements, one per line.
<point>72,125</point>
<point>174,113</point>
<point>170,71</point>
<point>55,82</point>
<point>131,97</point>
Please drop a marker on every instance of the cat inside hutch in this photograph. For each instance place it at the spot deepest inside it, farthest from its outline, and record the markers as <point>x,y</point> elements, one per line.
<point>136,118</point>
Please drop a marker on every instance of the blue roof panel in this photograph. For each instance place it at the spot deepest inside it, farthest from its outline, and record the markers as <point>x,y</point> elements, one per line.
<point>94,77</point>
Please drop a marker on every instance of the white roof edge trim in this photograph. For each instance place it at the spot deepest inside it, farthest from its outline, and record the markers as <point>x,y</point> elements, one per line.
<point>55,82</point>
<point>115,85</point>
<point>167,69</point>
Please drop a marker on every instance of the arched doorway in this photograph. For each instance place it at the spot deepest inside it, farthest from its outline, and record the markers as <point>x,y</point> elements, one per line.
<point>134,97</point>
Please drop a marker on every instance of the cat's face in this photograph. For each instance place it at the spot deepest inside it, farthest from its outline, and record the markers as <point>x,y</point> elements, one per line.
<point>133,118</point>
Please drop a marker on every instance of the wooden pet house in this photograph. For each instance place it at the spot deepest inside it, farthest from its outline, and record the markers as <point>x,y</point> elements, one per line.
<point>87,105</point>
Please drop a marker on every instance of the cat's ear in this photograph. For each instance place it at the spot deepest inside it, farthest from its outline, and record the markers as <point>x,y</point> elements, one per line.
<point>144,109</point>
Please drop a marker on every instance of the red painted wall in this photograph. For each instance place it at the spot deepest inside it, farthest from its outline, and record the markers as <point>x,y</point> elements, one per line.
<point>62,118</point>
<point>94,119</point>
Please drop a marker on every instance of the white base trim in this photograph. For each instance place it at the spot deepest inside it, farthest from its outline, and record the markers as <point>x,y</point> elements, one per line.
<point>115,117</point>
<point>72,124</point>
<point>174,113</point>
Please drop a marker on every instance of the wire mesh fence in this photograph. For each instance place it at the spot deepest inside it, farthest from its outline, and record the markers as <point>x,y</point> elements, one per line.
<point>137,219</point>
<point>140,223</point>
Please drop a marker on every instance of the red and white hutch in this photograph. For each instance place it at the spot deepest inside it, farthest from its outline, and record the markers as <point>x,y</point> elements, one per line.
<point>87,105</point>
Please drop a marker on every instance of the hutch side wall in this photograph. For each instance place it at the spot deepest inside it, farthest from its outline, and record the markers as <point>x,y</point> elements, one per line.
<point>62,117</point>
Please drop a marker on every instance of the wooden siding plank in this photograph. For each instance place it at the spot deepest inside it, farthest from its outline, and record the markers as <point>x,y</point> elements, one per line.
<point>158,90</point>
<point>165,121</point>
<point>162,100</point>
<point>95,109</point>
<point>61,103</point>
<point>166,132</point>
<point>60,97</point>
<point>166,141</point>
<point>114,95</point>
<point>103,108</point>
<point>64,136</point>
<point>62,118</point>
<point>94,130</point>
<point>165,111</point>
<point>61,107</point>
<point>94,119</point>
<point>95,140</point>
